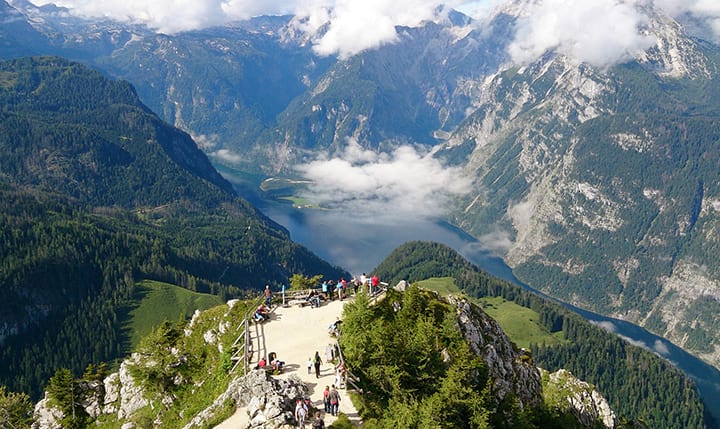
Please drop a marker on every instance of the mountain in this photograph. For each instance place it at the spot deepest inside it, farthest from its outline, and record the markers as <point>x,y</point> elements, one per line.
<point>472,374</point>
<point>638,384</point>
<point>603,183</point>
<point>98,193</point>
<point>596,184</point>
<point>484,379</point>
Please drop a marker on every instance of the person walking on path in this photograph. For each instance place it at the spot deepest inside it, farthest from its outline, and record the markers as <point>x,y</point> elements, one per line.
<point>326,400</point>
<point>318,422</point>
<point>334,397</point>
<point>317,362</point>
<point>309,365</point>
<point>300,413</point>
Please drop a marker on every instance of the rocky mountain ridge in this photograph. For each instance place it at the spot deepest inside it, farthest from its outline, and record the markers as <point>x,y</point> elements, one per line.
<point>547,143</point>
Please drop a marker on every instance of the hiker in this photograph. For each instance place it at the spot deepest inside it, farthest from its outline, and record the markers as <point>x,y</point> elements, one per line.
<point>334,328</point>
<point>314,299</point>
<point>261,363</point>
<point>317,361</point>
<point>262,314</point>
<point>275,363</point>
<point>318,422</point>
<point>356,284</point>
<point>374,283</point>
<point>334,397</point>
<point>324,287</point>
<point>300,413</point>
<point>339,289</point>
<point>326,400</point>
<point>268,296</point>
<point>331,289</point>
<point>339,375</point>
<point>309,365</point>
<point>329,353</point>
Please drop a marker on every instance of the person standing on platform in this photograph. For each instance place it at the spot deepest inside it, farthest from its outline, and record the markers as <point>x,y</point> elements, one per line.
<point>317,361</point>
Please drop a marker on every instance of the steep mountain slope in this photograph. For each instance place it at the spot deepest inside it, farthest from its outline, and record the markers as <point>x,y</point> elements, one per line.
<point>255,95</point>
<point>621,371</point>
<point>96,194</point>
<point>74,132</point>
<point>603,184</point>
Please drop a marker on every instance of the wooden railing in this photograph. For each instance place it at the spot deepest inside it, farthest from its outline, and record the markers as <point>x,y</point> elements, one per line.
<point>243,352</point>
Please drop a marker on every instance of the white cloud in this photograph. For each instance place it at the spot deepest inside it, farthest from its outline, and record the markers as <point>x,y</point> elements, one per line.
<point>206,141</point>
<point>226,155</point>
<point>707,11</point>
<point>349,26</point>
<point>661,348</point>
<point>384,185</point>
<point>599,32</point>
<point>497,241</point>
<point>606,325</point>
<point>358,25</point>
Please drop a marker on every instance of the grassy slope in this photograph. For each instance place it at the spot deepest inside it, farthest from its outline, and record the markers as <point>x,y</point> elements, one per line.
<point>519,323</point>
<point>157,301</point>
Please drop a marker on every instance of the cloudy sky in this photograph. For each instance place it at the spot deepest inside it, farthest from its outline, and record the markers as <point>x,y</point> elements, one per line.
<point>597,31</point>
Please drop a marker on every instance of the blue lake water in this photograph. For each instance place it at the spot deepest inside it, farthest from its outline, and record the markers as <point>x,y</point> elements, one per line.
<point>360,243</point>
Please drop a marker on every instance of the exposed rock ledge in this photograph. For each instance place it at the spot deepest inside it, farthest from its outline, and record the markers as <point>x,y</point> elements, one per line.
<point>581,398</point>
<point>269,402</point>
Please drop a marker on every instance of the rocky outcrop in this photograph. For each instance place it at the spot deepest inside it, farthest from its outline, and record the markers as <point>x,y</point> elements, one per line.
<point>564,390</point>
<point>513,372</point>
<point>118,394</point>
<point>45,416</point>
<point>123,396</point>
<point>269,402</point>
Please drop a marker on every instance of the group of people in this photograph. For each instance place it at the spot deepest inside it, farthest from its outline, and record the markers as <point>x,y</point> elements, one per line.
<point>372,283</point>
<point>331,396</point>
<point>274,363</point>
<point>331,400</point>
<point>262,313</point>
<point>332,289</point>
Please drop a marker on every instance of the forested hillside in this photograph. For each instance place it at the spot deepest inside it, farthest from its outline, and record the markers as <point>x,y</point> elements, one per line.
<point>412,385</point>
<point>96,194</point>
<point>639,385</point>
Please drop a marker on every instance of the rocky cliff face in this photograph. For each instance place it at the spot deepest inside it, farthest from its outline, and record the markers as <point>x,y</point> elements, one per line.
<point>512,372</point>
<point>596,184</point>
<point>586,403</point>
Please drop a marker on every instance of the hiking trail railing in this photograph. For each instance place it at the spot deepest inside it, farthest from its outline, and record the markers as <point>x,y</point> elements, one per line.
<point>348,377</point>
<point>243,344</point>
